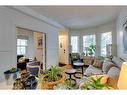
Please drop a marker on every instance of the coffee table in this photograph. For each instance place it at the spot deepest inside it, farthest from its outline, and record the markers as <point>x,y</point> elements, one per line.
<point>79,65</point>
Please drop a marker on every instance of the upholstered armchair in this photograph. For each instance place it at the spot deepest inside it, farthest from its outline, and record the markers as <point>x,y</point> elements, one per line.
<point>34,67</point>
<point>75,57</point>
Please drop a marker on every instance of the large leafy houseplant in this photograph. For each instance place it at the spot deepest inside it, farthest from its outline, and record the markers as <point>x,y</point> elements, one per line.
<point>91,49</point>
<point>94,84</point>
<point>52,77</point>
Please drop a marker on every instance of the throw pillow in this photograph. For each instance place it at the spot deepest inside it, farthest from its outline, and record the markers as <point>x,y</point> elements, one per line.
<point>21,60</point>
<point>97,63</point>
<point>107,65</point>
<point>117,61</point>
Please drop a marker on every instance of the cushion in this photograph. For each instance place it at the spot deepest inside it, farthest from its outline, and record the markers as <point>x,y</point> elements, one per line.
<point>88,60</point>
<point>107,65</point>
<point>21,59</point>
<point>113,74</point>
<point>98,63</point>
<point>92,71</point>
<point>117,61</point>
<point>104,78</point>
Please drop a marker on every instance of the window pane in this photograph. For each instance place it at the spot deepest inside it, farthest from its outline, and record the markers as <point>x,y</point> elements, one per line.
<point>74,44</point>
<point>87,41</point>
<point>106,38</point>
<point>21,46</point>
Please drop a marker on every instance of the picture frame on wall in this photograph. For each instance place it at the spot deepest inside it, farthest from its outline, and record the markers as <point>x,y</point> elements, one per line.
<point>39,43</point>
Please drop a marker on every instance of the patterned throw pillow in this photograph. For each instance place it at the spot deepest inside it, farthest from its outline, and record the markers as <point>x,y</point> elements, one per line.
<point>98,63</point>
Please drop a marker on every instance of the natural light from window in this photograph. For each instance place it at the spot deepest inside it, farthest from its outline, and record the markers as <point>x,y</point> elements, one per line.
<point>21,46</point>
<point>106,39</point>
<point>74,44</point>
<point>87,41</point>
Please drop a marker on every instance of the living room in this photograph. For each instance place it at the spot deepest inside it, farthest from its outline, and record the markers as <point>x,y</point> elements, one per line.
<point>106,34</point>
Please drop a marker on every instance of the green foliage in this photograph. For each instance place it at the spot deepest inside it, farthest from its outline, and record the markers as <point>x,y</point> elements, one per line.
<point>13,70</point>
<point>95,84</point>
<point>66,85</point>
<point>52,74</point>
<point>91,49</point>
<point>101,57</point>
<point>110,57</point>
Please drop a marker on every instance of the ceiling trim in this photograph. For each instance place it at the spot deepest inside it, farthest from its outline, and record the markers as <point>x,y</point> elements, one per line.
<point>34,14</point>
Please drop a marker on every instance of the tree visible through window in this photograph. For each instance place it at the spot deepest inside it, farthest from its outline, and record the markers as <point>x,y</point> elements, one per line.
<point>74,44</point>
<point>21,46</point>
<point>88,40</point>
<point>106,38</point>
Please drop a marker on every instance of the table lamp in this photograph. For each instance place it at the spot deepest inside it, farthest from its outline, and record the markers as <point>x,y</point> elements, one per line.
<point>122,82</point>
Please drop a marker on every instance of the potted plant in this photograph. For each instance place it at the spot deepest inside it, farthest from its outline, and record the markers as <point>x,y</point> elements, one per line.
<point>52,77</point>
<point>94,84</point>
<point>11,75</point>
<point>91,49</point>
<point>64,86</point>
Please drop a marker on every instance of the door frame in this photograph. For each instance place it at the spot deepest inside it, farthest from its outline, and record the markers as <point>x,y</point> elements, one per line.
<point>44,46</point>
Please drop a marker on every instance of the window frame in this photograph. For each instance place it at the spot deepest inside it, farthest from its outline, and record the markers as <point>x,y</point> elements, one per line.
<point>22,46</point>
<point>77,43</point>
<point>106,44</point>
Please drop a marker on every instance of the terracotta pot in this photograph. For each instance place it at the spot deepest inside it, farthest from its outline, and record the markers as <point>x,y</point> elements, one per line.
<point>50,85</point>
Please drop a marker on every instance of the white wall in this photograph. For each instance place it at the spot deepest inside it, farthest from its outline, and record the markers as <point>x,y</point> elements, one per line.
<point>107,27</point>
<point>120,21</point>
<point>38,51</point>
<point>9,19</point>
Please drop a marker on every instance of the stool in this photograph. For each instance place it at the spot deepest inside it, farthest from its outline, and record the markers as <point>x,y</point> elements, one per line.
<point>71,72</point>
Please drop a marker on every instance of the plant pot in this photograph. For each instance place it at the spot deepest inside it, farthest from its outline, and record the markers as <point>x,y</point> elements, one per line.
<point>10,77</point>
<point>50,85</point>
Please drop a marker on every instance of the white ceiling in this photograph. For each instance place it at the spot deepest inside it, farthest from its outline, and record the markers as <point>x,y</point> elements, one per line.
<point>78,17</point>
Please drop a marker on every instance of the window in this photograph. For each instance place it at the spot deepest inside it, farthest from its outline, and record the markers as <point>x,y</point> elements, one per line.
<point>106,39</point>
<point>87,41</point>
<point>74,44</point>
<point>21,46</point>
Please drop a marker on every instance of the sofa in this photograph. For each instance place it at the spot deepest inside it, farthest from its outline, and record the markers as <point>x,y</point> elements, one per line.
<point>108,67</point>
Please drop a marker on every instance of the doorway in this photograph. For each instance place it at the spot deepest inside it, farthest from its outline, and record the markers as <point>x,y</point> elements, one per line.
<point>63,48</point>
<point>31,46</point>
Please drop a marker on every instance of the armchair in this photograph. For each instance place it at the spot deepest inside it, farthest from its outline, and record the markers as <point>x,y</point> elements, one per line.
<point>75,57</point>
<point>34,67</point>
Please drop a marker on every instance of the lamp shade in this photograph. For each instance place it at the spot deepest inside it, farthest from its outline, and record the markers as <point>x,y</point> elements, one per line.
<point>122,82</point>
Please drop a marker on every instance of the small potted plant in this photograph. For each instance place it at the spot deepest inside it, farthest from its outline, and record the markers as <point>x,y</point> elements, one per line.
<point>11,75</point>
<point>51,77</point>
<point>94,84</point>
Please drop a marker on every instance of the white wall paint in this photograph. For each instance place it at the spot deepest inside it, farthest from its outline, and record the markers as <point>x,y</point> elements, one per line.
<point>120,21</point>
<point>9,19</point>
<point>38,51</point>
<point>107,27</point>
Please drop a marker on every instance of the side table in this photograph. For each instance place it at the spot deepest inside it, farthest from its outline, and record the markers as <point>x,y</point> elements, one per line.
<point>71,72</point>
<point>79,65</point>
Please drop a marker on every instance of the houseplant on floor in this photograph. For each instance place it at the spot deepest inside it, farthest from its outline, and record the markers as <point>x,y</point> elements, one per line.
<point>94,84</point>
<point>51,77</point>
<point>11,75</point>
